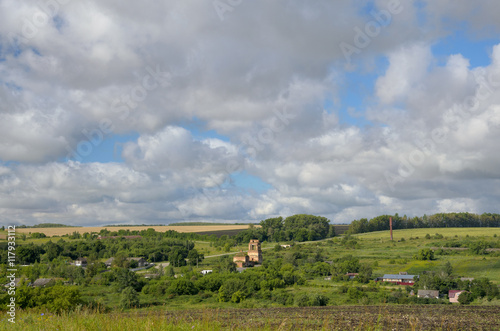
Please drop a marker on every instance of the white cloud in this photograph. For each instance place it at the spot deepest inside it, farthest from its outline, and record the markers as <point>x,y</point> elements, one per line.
<point>259,78</point>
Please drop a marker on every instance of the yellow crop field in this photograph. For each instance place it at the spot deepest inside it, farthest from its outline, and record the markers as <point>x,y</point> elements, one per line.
<point>184,228</point>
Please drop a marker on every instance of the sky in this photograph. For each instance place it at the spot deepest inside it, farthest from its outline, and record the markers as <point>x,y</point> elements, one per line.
<point>153,112</point>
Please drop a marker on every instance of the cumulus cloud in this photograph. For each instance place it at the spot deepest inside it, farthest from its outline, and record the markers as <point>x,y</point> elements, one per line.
<point>254,84</point>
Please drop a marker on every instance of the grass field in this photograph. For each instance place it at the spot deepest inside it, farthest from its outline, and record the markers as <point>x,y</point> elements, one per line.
<point>294,318</point>
<point>187,228</point>
<point>447,232</point>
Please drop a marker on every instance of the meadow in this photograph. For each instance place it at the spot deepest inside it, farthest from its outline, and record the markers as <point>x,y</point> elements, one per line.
<point>397,255</point>
<point>447,232</point>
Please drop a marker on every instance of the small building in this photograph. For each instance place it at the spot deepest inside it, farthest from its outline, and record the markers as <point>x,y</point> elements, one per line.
<point>151,276</point>
<point>140,261</point>
<point>428,294</point>
<point>205,272</point>
<point>352,275</point>
<point>286,246</point>
<point>16,283</point>
<point>81,262</point>
<point>109,262</point>
<point>401,279</point>
<point>43,282</point>
<point>241,259</point>
<point>453,295</point>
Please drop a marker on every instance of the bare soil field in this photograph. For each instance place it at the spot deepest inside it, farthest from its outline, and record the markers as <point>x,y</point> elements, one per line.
<point>389,317</point>
<point>361,318</point>
<point>69,230</point>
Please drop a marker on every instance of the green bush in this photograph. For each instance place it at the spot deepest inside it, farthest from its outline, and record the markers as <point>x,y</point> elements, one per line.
<point>424,254</point>
<point>129,298</point>
<point>302,300</point>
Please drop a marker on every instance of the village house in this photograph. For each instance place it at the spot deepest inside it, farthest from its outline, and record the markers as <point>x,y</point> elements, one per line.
<point>16,282</point>
<point>140,261</point>
<point>453,295</point>
<point>151,276</point>
<point>109,262</point>
<point>205,272</point>
<point>352,275</point>
<point>43,282</point>
<point>81,262</point>
<point>401,279</point>
<point>286,246</point>
<point>429,294</point>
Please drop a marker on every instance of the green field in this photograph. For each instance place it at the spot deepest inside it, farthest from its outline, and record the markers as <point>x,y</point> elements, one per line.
<point>447,232</point>
<point>396,256</point>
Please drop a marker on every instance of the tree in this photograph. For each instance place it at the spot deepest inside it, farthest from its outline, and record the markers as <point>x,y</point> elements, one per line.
<point>448,269</point>
<point>465,298</point>
<point>424,254</point>
<point>129,298</point>
<point>62,298</point>
<point>194,257</point>
<point>126,278</point>
<point>365,273</point>
<point>478,247</point>
<point>182,286</point>
<point>169,271</point>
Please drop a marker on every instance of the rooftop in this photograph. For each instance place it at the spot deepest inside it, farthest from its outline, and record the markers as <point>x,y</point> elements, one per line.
<point>390,276</point>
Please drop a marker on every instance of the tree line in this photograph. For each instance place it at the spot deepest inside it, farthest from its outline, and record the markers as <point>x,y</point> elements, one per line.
<point>153,246</point>
<point>441,220</point>
<point>299,227</point>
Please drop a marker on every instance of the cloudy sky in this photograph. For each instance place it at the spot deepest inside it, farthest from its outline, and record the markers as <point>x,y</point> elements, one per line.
<point>237,110</point>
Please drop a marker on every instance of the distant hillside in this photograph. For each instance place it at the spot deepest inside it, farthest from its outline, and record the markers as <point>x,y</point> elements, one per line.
<point>45,225</point>
<point>205,223</point>
<point>441,220</point>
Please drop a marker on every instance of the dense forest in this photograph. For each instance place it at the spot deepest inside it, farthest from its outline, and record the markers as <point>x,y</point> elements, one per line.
<point>442,220</point>
<point>300,228</point>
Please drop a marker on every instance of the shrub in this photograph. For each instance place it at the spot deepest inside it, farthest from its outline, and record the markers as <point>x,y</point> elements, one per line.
<point>465,298</point>
<point>302,300</point>
<point>37,235</point>
<point>129,298</point>
<point>424,254</point>
<point>182,286</point>
<point>318,300</point>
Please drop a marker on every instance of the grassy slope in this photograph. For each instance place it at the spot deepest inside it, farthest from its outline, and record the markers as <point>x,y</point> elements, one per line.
<point>376,246</point>
<point>447,232</point>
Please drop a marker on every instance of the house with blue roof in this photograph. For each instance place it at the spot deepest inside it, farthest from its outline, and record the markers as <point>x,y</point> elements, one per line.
<point>401,279</point>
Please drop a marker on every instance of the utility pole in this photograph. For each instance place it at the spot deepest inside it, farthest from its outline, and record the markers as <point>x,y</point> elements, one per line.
<point>390,225</point>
